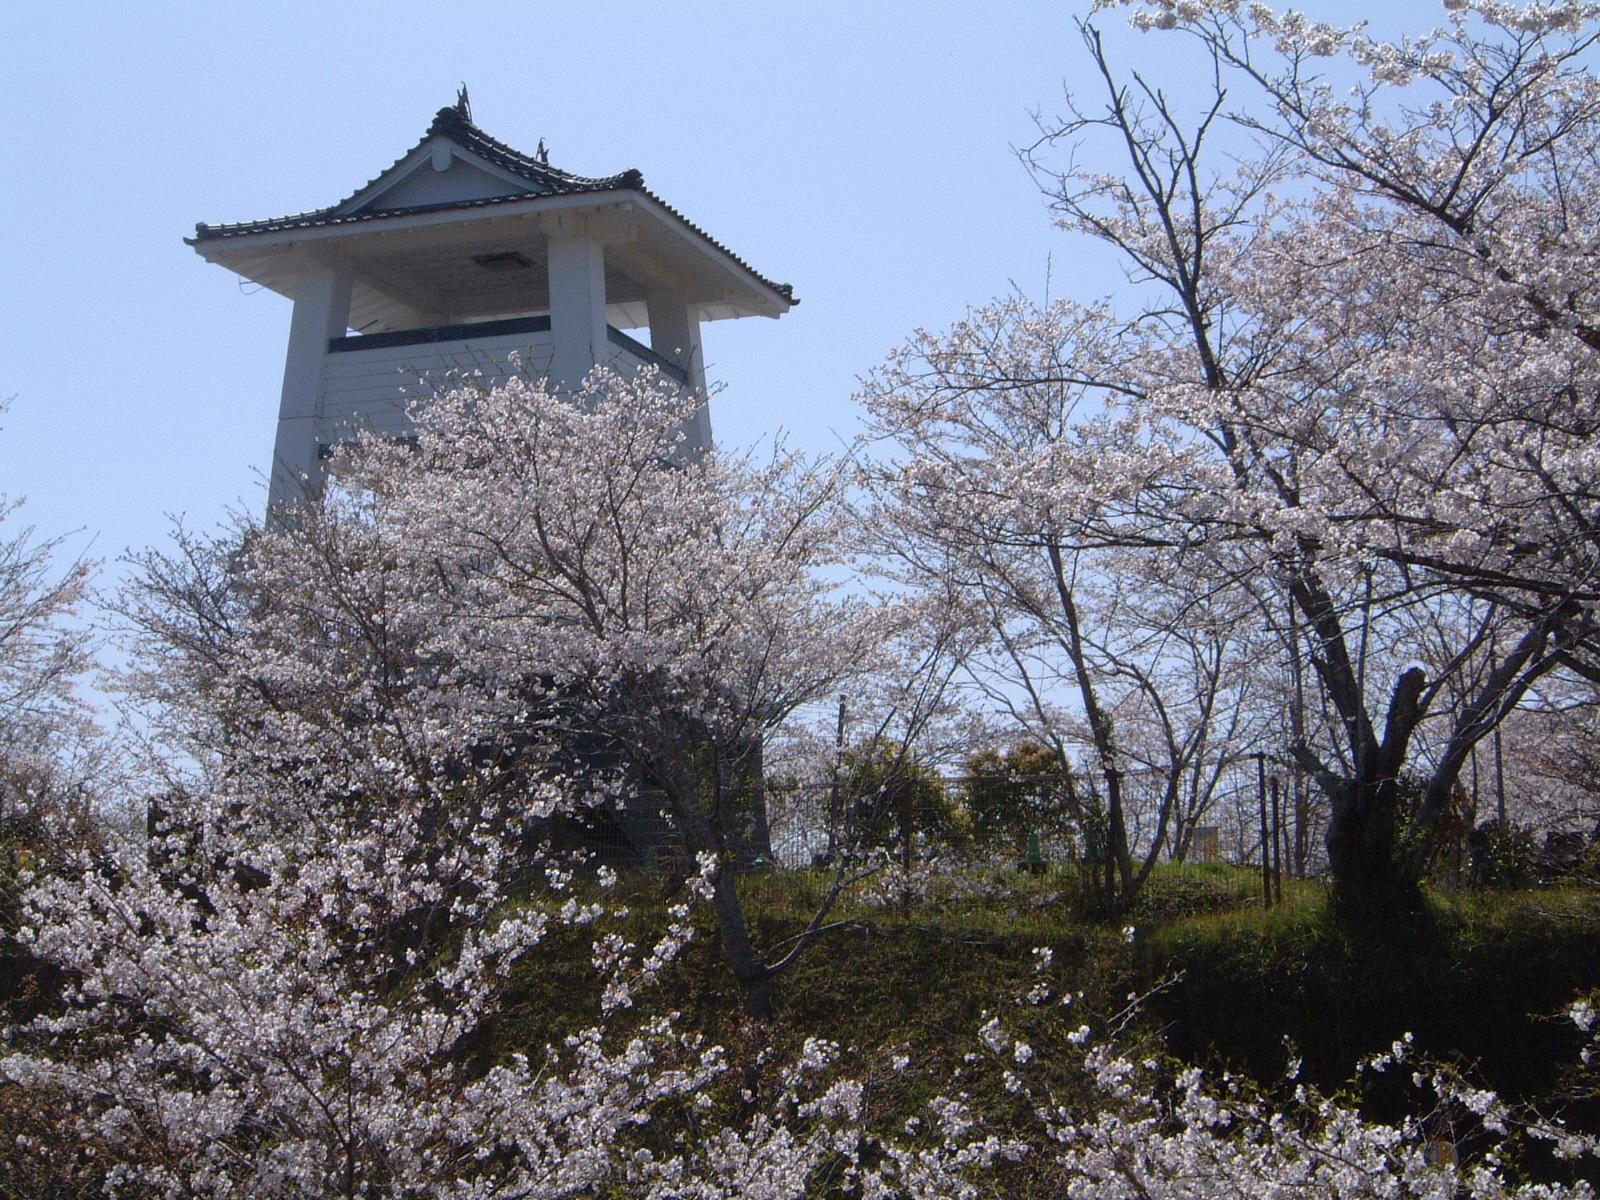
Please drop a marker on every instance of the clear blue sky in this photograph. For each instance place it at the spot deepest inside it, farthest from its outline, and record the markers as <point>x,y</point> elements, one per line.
<point>862,152</point>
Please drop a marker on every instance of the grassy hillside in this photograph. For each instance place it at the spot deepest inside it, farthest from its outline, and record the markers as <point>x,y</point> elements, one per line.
<point>1476,979</point>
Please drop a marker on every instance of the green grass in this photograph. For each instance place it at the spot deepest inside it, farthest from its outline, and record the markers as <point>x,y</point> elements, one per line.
<point>1475,977</point>
<point>913,981</point>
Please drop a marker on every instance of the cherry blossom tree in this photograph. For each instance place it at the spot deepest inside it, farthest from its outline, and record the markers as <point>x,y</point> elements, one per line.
<point>670,602</point>
<point>1430,392</point>
<point>38,656</point>
<point>253,1011</point>
<point>540,578</point>
<point>1360,383</point>
<point>45,731</point>
<point>996,473</point>
<point>372,710</point>
<point>1541,770</point>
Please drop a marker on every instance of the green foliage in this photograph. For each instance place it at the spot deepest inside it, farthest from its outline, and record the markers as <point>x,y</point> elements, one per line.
<point>1587,870</point>
<point>887,786</point>
<point>1503,855</point>
<point>1024,791</point>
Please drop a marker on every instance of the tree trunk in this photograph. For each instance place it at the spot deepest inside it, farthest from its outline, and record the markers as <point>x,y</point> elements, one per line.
<point>703,833</point>
<point>1368,876</point>
<point>748,967</point>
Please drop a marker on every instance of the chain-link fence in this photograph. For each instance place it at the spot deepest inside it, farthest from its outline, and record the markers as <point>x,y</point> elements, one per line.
<point>1243,811</point>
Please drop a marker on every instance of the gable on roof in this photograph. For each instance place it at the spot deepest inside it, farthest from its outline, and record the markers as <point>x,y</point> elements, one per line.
<point>488,170</point>
<point>441,176</point>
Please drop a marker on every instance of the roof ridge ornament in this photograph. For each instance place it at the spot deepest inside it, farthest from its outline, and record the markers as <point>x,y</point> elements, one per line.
<point>463,106</point>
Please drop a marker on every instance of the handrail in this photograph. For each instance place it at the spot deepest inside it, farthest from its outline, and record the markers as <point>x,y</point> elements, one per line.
<point>640,350</point>
<point>438,333</point>
<point>483,329</point>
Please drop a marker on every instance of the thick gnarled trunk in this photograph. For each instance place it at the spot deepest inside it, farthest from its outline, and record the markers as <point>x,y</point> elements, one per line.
<point>1369,877</point>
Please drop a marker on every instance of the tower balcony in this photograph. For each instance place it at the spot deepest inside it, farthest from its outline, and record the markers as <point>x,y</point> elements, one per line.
<point>370,381</point>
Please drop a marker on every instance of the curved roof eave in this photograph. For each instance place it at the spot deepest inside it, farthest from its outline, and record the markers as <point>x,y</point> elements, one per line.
<point>454,125</point>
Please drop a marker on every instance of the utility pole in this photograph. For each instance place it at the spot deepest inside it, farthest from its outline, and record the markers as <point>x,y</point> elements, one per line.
<point>1499,779</point>
<point>1277,842</point>
<point>835,800</point>
<point>1266,854</point>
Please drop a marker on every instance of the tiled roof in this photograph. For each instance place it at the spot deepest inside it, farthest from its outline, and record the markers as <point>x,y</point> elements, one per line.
<point>458,127</point>
<point>454,124</point>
